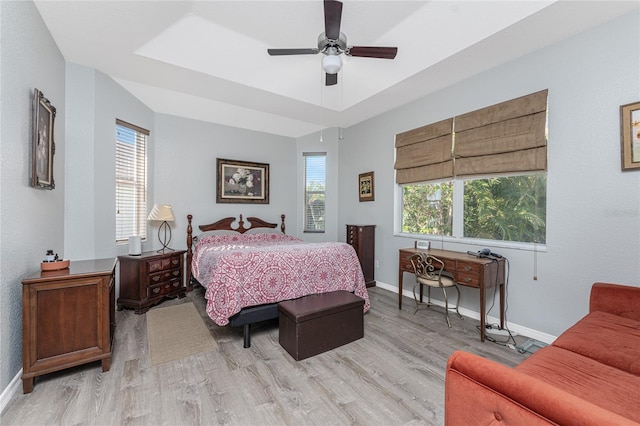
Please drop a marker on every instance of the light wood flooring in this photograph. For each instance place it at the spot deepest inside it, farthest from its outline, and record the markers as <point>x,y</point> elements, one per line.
<point>393,376</point>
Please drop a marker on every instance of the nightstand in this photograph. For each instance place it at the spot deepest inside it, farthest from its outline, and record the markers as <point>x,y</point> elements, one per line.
<point>150,278</point>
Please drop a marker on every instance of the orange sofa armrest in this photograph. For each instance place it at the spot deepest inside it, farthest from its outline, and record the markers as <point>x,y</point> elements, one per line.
<point>617,299</point>
<point>481,391</point>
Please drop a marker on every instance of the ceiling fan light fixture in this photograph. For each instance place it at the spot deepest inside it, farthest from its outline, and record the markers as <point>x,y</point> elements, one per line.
<point>331,64</point>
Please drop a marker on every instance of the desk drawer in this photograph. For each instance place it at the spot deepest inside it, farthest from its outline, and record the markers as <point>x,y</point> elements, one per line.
<point>471,280</point>
<point>405,261</point>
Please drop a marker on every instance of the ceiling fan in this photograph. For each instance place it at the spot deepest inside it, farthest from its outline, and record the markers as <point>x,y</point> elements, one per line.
<point>332,43</point>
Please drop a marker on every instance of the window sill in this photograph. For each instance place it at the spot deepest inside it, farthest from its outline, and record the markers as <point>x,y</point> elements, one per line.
<point>475,242</point>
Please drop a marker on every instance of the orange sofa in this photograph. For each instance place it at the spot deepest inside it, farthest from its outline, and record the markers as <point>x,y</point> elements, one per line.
<point>590,375</point>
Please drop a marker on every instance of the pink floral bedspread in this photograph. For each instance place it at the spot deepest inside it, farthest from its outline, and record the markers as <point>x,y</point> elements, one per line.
<point>253,269</point>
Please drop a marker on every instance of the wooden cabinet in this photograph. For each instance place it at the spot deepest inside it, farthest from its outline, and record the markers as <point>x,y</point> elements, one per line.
<point>68,318</point>
<point>363,240</point>
<point>148,279</point>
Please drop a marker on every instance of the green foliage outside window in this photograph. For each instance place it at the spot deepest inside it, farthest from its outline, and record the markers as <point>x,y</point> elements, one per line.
<point>509,208</point>
<point>427,208</point>
<point>506,208</point>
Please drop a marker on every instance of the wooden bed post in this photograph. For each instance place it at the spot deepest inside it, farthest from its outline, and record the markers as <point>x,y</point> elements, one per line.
<point>189,251</point>
<point>282,224</point>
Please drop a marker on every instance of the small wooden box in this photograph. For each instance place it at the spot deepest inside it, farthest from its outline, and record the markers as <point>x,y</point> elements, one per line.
<point>318,323</point>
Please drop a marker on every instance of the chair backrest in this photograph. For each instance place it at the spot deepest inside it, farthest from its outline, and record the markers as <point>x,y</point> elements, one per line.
<point>427,266</point>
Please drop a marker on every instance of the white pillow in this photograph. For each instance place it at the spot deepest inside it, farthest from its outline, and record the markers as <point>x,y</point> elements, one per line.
<point>263,231</point>
<point>218,232</point>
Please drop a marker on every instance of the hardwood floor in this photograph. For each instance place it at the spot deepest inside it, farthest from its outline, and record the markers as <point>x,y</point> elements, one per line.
<point>393,376</point>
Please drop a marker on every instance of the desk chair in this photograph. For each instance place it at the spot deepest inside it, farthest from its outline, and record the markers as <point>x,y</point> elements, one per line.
<point>429,271</point>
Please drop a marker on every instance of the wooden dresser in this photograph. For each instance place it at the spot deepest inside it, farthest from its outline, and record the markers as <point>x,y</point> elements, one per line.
<point>148,279</point>
<point>363,240</point>
<point>68,318</point>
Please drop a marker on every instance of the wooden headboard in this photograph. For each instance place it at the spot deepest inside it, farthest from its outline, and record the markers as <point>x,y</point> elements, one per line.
<point>224,225</point>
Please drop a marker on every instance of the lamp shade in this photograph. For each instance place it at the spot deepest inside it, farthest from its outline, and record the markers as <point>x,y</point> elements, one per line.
<point>161,212</point>
<point>331,64</point>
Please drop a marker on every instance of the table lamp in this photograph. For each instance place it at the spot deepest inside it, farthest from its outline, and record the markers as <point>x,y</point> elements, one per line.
<point>163,213</point>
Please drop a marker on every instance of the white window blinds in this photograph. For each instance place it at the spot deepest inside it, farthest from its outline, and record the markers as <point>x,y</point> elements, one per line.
<point>314,191</point>
<point>131,181</point>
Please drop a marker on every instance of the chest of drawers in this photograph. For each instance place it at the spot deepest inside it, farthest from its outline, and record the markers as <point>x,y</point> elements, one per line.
<point>148,279</point>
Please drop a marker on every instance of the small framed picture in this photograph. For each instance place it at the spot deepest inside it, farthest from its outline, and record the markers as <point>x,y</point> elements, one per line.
<point>365,186</point>
<point>43,146</point>
<point>242,182</point>
<point>630,136</point>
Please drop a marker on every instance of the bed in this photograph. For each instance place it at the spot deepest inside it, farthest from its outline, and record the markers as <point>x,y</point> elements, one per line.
<point>247,271</point>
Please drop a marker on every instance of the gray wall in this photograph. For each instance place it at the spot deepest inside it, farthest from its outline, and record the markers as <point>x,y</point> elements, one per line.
<point>31,220</point>
<point>185,155</point>
<point>593,209</point>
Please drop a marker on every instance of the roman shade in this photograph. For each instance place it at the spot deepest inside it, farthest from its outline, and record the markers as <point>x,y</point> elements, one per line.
<point>502,138</point>
<point>506,137</point>
<point>425,153</point>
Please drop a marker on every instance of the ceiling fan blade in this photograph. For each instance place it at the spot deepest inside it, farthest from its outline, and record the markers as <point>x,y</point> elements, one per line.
<point>372,52</point>
<point>331,80</point>
<point>332,18</point>
<point>278,52</point>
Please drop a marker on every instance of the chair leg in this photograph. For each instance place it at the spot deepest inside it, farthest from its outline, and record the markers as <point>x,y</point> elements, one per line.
<point>446,307</point>
<point>458,302</point>
<point>415,298</point>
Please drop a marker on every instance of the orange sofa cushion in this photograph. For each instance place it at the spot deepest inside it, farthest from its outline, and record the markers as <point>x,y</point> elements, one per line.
<point>607,338</point>
<point>600,384</point>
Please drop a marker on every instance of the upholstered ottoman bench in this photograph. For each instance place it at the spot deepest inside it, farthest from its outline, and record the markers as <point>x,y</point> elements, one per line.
<point>317,323</point>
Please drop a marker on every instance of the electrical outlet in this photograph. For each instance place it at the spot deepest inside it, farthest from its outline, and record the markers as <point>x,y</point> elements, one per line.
<point>377,263</point>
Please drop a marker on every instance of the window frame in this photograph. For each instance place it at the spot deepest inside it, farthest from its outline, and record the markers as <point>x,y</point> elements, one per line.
<point>457,232</point>
<point>306,193</point>
<point>139,188</point>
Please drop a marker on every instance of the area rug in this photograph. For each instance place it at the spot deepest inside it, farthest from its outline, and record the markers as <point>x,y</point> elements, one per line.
<point>176,332</point>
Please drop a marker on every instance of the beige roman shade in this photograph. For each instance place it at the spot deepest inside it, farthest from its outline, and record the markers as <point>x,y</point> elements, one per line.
<point>506,137</point>
<point>424,153</point>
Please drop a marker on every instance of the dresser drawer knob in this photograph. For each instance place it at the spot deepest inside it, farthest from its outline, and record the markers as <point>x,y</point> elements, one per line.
<point>467,280</point>
<point>156,278</point>
<point>467,268</point>
<point>175,261</point>
<point>176,273</point>
<point>176,284</point>
<point>156,290</point>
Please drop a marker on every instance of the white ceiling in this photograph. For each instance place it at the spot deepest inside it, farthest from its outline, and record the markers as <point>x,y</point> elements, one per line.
<point>208,60</point>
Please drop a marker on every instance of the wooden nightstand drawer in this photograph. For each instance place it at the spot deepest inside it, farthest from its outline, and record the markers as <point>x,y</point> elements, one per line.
<point>163,288</point>
<point>159,265</point>
<point>162,276</point>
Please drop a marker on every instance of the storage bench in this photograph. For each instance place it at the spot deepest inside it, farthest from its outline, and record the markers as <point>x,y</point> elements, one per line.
<point>317,323</point>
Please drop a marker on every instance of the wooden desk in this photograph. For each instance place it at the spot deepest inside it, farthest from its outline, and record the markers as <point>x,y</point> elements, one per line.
<point>470,271</point>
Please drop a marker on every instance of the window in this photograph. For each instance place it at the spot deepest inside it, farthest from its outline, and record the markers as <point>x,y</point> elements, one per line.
<point>507,208</point>
<point>477,175</point>
<point>314,187</point>
<point>131,181</point>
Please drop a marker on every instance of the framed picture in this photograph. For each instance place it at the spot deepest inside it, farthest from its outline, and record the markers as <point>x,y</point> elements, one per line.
<point>42,146</point>
<point>365,186</point>
<point>242,182</point>
<point>630,136</point>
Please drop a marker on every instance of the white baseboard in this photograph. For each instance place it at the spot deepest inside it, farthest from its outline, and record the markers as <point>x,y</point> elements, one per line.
<point>9,391</point>
<point>521,330</point>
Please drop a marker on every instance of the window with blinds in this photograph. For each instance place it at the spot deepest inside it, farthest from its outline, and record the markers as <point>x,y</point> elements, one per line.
<point>314,191</point>
<point>131,181</point>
